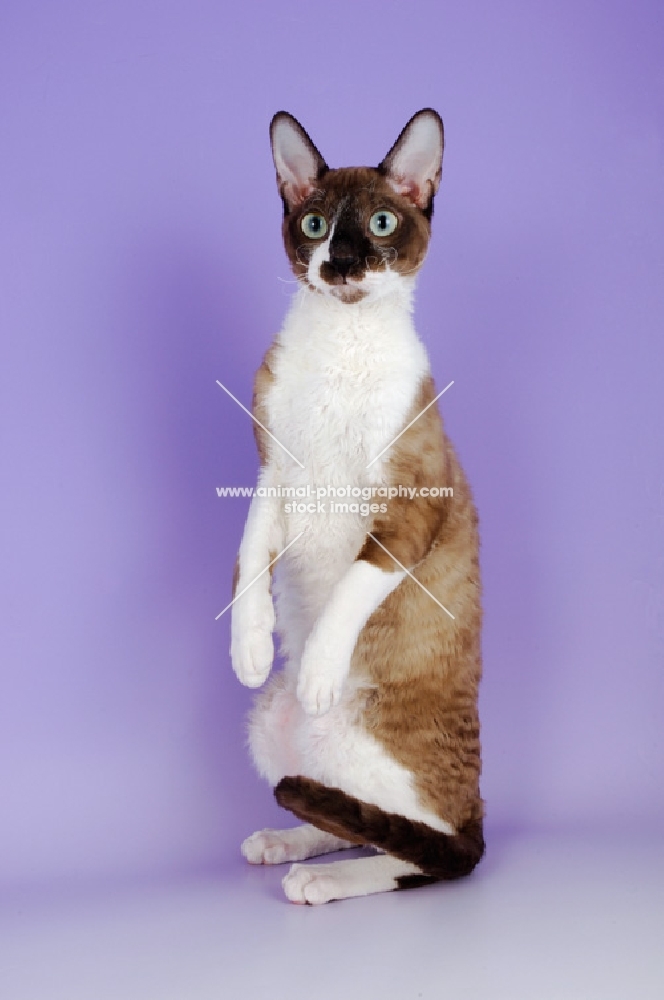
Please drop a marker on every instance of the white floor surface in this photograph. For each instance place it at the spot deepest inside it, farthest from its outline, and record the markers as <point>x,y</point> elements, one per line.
<point>542,918</point>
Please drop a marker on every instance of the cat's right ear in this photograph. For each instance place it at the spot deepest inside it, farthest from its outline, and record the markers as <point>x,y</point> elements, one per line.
<point>298,162</point>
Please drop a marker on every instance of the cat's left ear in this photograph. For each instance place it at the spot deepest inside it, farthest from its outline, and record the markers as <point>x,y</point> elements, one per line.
<point>298,162</point>
<point>414,165</point>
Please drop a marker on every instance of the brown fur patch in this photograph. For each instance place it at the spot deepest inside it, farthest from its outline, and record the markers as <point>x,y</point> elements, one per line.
<point>418,459</point>
<point>414,881</point>
<point>236,575</point>
<point>263,381</point>
<point>441,857</point>
<point>422,669</point>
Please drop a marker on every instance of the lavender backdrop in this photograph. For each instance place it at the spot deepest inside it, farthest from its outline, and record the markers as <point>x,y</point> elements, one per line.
<point>141,261</point>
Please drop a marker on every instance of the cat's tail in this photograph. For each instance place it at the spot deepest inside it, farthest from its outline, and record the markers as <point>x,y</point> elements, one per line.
<point>440,856</point>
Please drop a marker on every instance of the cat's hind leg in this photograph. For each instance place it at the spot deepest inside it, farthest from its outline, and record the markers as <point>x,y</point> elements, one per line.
<point>357,877</point>
<point>415,853</point>
<point>273,847</point>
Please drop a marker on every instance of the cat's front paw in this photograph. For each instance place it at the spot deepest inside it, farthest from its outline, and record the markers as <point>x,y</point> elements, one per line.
<point>252,648</point>
<point>323,669</point>
<point>252,657</point>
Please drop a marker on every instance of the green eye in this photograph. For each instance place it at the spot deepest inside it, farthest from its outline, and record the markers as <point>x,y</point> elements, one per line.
<point>314,225</point>
<point>383,223</point>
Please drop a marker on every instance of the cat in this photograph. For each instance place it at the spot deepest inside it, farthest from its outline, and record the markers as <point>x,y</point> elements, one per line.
<point>370,732</point>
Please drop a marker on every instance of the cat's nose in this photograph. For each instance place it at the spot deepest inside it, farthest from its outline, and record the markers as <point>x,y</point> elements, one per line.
<point>342,261</point>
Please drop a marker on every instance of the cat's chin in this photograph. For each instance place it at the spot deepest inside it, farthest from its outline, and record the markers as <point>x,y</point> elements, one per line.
<point>348,293</point>
<point>371,287</point>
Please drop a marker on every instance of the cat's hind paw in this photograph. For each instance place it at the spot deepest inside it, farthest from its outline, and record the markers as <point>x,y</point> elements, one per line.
<point>273,847</point>
<point>310,884</point>
<point>266,847</point>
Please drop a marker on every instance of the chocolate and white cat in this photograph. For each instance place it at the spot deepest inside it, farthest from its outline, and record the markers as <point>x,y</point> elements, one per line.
<point>370,733</point>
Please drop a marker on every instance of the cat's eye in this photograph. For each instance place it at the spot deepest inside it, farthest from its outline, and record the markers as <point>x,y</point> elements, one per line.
<point>383,223</point>
<point>314,225</point>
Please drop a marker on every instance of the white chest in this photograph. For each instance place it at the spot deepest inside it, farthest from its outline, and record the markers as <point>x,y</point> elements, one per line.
<point>345,380</point>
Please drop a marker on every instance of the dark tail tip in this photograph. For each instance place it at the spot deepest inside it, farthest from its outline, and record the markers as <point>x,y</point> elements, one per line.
<point>439,855</point>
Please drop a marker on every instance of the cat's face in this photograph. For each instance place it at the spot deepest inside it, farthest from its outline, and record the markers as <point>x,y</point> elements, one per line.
<point>357,232</point>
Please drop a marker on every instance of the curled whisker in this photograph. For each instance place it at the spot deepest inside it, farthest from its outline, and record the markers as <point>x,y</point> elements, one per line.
<point>304,250</point>
<point>412,270</point>
<point>389,255</point>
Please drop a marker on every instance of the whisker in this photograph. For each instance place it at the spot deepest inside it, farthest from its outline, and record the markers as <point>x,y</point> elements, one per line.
<point>412,270</point>
<point>305,250</point>
<point>389,254</point>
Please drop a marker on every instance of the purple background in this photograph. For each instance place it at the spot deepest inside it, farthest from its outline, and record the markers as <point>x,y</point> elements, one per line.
<point>141,260</point>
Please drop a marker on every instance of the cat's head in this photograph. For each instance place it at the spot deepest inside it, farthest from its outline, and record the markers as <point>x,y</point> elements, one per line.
<point>357,231</point>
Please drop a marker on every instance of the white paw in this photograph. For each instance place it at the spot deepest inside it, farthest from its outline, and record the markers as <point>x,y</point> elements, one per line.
<point>310,884</point>
<point>267,847</point>
<point>323,669</point>
<point>252,648</point>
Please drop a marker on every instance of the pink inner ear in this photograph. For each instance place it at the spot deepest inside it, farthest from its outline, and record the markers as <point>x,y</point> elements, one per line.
<point>296,193</point>
<point>409,188</point>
